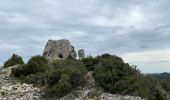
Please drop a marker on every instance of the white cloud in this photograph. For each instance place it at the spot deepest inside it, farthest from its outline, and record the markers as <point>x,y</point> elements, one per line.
<point>150,61</point>
<point>6,46</point>
<point>148,56</point>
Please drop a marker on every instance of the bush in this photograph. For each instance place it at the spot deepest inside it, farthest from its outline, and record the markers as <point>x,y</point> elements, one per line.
<point>90,62</point>
<point>64,76</point>
<point>59,78</point>
<point>39,79</point>
<point>14,60</point>
<point>19,71</point>
<point>61,88</point>
<point>75,69</point>
<point>115,76</point>
<point>53,76</point>
<point>165,85</point>
<point>35,64</point>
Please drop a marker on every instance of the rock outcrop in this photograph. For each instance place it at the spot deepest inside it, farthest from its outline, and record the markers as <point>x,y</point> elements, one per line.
<point>81,53</point>
<point>11,89</point>
<point>59,49</point>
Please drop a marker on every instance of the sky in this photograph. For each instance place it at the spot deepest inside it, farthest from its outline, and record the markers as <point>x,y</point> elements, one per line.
<point>136,30</point>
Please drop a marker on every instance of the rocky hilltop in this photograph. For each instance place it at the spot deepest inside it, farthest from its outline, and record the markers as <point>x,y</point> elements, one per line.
<point>58,75</point>
<point>12,89</point>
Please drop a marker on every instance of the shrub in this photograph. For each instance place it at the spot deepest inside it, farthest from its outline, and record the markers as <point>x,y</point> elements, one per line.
<point>35,64</point>
<point>59,78</point>
<point>39,79</point>
<point>61,88</point>
<point>75,69</point>
<point>64,76</point>
<point>19,71</point>
<point>90,62</point>
<point>165,85</point>
<point>14,60</point>
<point>115,76</point>
<point>53,76</point>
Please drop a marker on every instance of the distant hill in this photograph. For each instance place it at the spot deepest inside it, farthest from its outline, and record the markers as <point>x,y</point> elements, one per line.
<point>162,76</point>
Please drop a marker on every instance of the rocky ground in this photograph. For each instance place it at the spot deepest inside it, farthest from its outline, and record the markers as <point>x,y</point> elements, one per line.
<point>11,89</point>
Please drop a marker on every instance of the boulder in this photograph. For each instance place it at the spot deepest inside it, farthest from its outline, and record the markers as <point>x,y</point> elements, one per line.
<point>59,49</point>
<point>81,53</point>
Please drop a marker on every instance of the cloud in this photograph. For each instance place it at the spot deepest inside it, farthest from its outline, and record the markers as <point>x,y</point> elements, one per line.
<point>123,28</point>
<point>151,61</point>
<point>8,46</point>
<point>151,56</point>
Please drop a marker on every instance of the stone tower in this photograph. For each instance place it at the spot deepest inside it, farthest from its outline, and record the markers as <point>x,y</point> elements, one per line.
<point>81,53</point>
<point>59,49</point>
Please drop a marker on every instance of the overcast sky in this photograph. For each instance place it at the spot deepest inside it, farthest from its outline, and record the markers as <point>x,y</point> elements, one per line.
<point>136,30</point>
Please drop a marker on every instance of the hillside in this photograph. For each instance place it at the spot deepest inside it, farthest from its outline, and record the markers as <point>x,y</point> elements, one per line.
<point>59,75</point>
<point>162,76</point>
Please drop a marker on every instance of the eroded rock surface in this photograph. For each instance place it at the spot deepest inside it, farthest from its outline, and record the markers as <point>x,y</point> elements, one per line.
<point>59,49</point>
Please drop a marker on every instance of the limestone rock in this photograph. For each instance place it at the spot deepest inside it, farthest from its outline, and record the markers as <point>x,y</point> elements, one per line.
<point>59,49</point>
<point>81,53</point>
<point>107,96</point>
<point>11,89</point>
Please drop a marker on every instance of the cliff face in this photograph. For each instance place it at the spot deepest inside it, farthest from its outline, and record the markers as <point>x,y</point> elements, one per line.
<point>59,49</point>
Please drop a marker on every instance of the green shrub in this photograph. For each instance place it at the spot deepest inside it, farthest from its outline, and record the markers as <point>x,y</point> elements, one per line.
<point>34,65</point>
<point>115,76</point>
<point>37,64</point>
<point>64,76</point>
<point>19,71</point>
<point>75,69</point>
<point>90,62</point>
<point>53,76</point>
<point>59,77</point>
<point>14,60</point>
<point>61,88</point>
<point>38,79</point>
<point>165,85</point>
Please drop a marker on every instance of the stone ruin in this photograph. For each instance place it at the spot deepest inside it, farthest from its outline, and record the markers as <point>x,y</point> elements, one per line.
<point>81,53</point>
<point>61,49</point>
